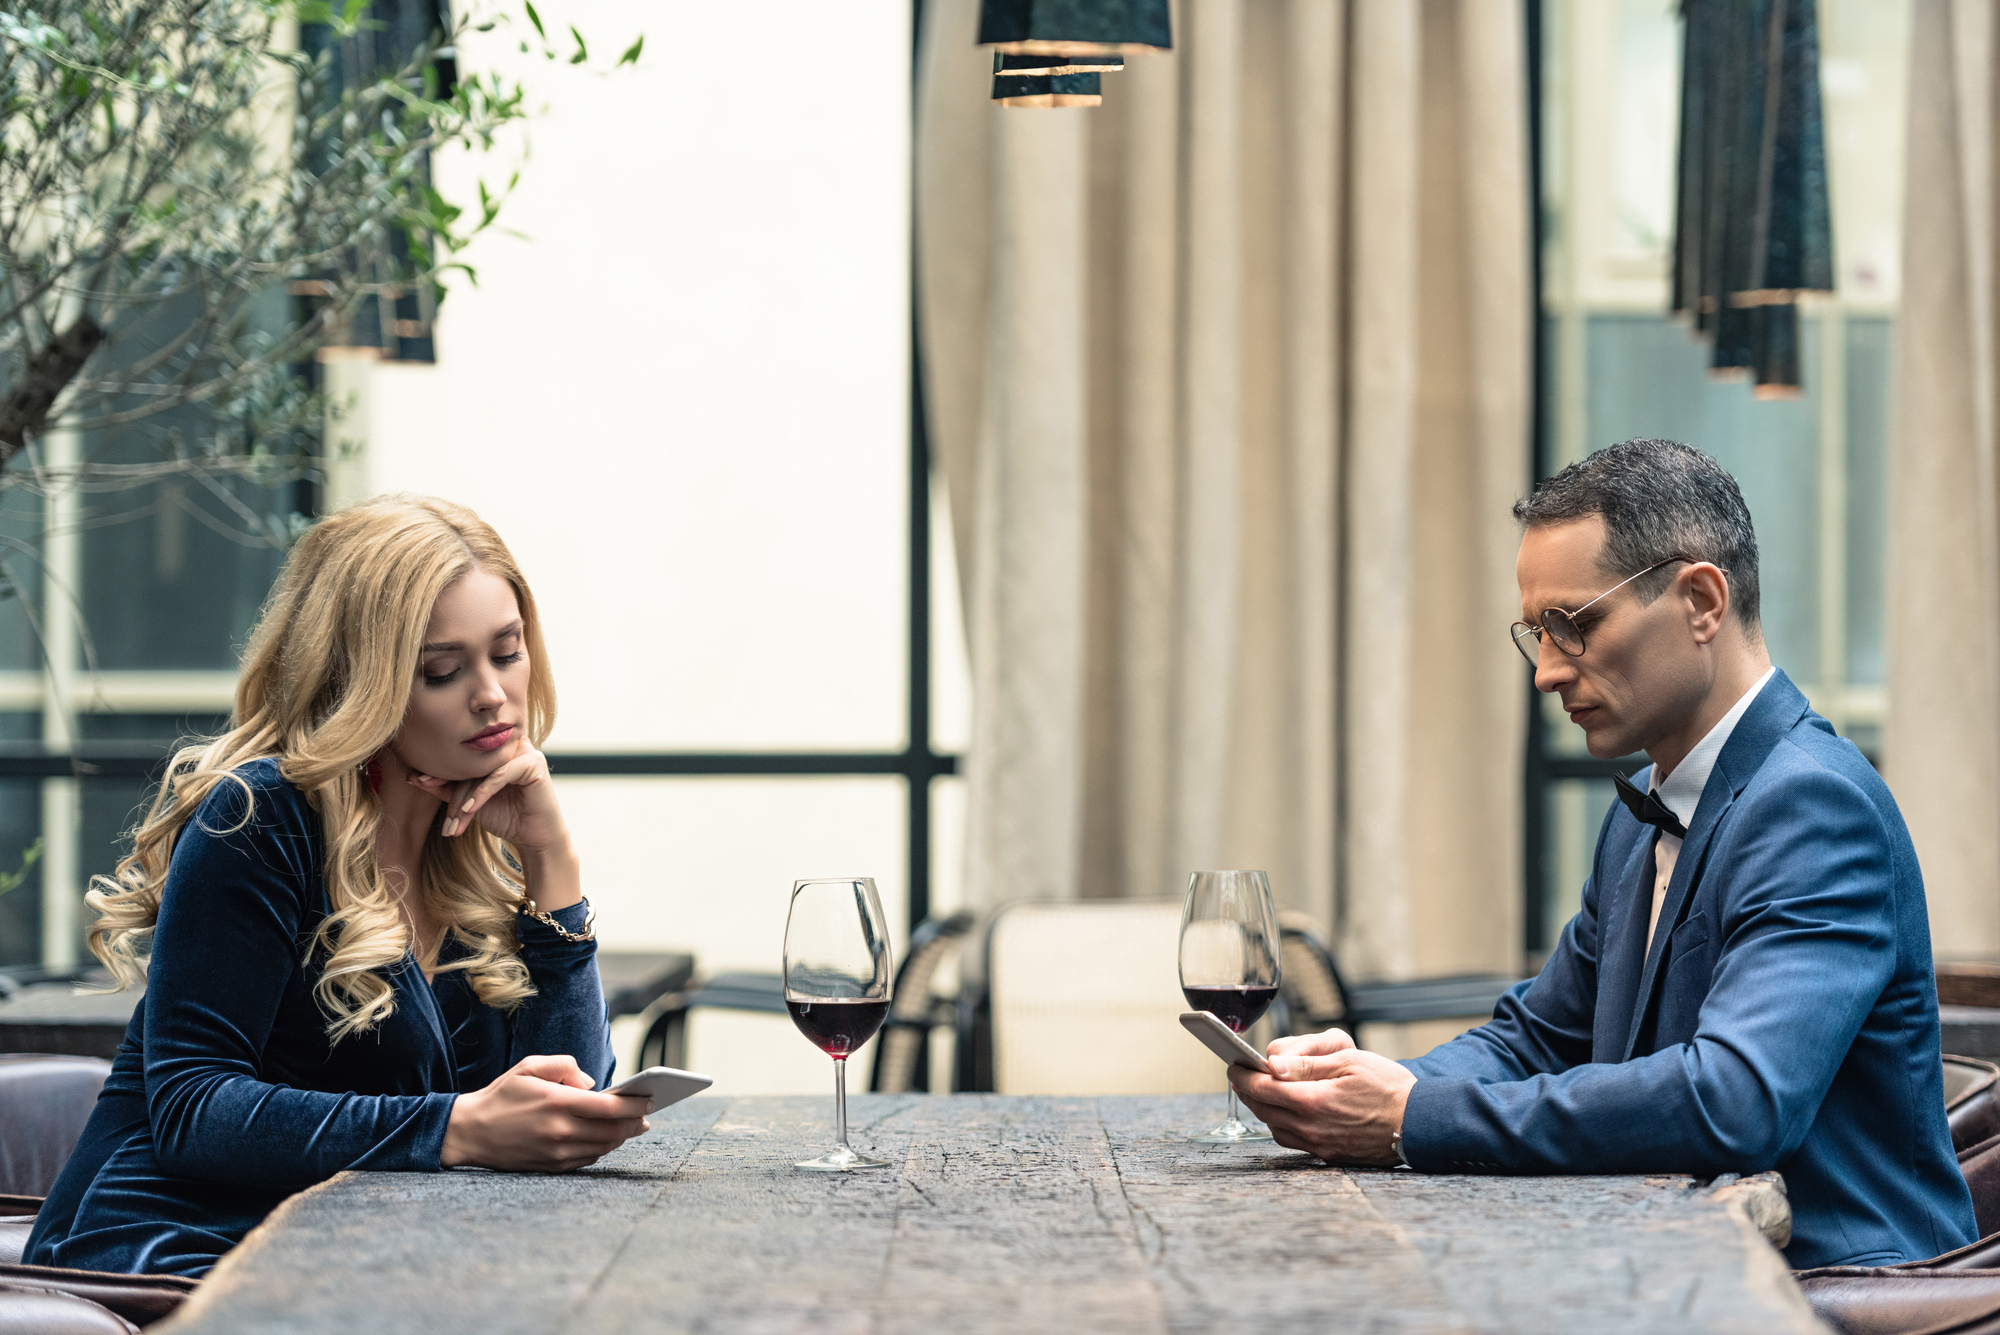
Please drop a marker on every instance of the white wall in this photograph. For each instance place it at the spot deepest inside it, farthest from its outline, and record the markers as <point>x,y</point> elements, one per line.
<point>682,399</point>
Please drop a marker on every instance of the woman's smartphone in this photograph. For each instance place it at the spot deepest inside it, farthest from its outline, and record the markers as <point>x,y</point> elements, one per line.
<point>1218,1038</point>
<point>662,1085</point>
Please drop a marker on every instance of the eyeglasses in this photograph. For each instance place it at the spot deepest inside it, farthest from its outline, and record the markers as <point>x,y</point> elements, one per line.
<point>1561,626</point>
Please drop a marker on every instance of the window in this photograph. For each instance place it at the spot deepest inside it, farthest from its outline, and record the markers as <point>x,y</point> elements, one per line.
<point>1614,366</point>
<point>684,400</point>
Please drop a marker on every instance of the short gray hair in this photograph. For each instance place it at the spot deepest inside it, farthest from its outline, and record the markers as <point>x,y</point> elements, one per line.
<point>1658,498</point>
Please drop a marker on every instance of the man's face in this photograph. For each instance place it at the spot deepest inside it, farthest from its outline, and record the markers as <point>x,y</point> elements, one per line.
<point>1641,672</point>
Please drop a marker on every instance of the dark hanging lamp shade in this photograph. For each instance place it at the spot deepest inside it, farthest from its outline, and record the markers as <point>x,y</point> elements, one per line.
<point>1753,231</point>
<point>1048,90</point>
<point>1003,63</point>
<point>1075,27</point>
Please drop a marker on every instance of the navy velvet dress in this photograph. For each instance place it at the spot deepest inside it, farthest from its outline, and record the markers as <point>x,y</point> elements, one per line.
<point>226,1095</point>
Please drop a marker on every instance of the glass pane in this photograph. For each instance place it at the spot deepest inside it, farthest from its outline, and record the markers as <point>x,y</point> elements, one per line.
<point>174,570</point>
<point>20,827</point>
<point>1573,811</point>
<point>684,401</point>
<point>1867,494</point>
<point>20,578</point>
<point>1647,377</point>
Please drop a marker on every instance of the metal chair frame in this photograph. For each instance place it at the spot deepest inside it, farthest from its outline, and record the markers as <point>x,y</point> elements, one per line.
<point>912,1011</point>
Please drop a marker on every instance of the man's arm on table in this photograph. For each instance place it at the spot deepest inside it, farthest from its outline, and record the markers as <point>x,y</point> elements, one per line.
<point>1343,1104</point>
<point>1807,945</point>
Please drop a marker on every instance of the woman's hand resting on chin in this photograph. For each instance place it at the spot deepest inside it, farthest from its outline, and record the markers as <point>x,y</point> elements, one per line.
<point>515,803</point>
<point>540,1117</point>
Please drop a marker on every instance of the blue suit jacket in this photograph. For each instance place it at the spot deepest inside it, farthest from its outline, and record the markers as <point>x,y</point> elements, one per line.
<point>1784,1017</point>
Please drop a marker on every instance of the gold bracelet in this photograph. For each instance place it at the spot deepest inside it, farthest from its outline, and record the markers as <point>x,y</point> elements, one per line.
<point>528,910</point>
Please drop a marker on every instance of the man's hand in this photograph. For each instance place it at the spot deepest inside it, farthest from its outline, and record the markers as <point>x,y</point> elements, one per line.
<point>1329,1099</point>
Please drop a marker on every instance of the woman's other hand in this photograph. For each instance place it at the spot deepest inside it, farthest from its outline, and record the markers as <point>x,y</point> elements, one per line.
<point>541,1117</point>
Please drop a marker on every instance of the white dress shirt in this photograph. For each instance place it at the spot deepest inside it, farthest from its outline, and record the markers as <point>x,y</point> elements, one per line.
<point>1680,793</point>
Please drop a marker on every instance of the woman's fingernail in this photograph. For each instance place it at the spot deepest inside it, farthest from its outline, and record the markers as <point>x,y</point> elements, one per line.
<point>467,806</point>
<point>1281,1066</point>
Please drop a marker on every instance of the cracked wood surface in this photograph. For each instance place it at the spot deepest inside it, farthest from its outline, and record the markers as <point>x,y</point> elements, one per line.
<point>1003,1214</point>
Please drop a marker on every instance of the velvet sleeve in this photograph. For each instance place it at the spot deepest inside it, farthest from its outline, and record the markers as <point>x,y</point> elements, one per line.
<point>566,1014</point>
<point>1808,944</point>
<point>228,939</point>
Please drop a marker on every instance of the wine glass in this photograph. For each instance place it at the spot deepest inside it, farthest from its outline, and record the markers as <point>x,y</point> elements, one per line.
<point>837,979</point>
<point>1229,963</point>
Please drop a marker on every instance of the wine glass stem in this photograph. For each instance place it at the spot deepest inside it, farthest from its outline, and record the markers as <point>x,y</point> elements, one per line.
<point>840,1096</point>
<point>1234,1117</point>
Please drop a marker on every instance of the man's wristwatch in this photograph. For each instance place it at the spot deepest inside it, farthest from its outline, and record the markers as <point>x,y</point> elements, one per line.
<point>1396,1144</point>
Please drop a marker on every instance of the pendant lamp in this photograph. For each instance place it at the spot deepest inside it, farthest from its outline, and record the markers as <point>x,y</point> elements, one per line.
<point>1048,90</point>
<point>1753,231</point>
<point>1075,27</point>
<point>1053,65</point>
<point>1050,53</point>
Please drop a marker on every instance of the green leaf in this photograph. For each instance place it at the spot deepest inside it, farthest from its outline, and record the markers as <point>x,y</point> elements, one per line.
<point>29,857</point>
<point>536,19</point>
<point>631,56</point>
<point>582,51</point>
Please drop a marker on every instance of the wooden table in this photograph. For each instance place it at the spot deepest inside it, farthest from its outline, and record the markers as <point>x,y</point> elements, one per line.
<point>1003,1214</point>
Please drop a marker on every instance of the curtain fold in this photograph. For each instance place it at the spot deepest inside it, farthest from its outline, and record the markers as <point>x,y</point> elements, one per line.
<point>1941,740</point>
<point>1229,382</point>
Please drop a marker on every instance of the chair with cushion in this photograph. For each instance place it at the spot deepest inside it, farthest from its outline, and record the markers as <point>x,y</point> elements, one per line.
<point>1081,998</point>
<point>1313,996</point>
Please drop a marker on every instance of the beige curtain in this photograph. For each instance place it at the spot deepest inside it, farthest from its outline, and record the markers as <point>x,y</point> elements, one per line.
<point>1229,380</point>
<point>1941,746</point>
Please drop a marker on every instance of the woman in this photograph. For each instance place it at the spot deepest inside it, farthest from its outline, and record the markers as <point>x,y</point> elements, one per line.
<point>358,914</point>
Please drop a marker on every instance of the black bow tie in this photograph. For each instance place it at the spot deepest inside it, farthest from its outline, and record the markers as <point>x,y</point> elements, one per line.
<point>1649,808</point>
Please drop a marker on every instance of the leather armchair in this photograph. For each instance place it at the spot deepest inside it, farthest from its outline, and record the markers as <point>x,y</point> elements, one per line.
<point>1971,1100</point>
<point>131,1301</point>
<point>44,1102</point>
<point>1957,1293</point>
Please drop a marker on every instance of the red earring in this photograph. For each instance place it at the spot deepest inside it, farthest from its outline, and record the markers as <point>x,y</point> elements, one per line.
<point>373,769</point>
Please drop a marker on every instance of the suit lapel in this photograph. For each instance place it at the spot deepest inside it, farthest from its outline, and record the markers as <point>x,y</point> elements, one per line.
<point>1775,711</point>
<point>1622,908</point>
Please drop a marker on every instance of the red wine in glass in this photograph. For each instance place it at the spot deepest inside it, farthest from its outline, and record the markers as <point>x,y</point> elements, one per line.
<point>1230,963</point>
<point>841,1025</point>
<point>1237,1007</point>
<point>838,981</point>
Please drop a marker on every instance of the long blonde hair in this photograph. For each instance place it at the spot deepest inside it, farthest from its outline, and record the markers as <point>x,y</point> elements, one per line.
<point>326,681</point>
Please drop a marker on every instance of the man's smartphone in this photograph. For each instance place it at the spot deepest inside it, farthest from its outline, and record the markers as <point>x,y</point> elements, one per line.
<point>662,1085</point>
<point>1218,1038</point>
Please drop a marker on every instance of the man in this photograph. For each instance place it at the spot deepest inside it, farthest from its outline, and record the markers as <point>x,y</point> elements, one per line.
<point>1748,985</point>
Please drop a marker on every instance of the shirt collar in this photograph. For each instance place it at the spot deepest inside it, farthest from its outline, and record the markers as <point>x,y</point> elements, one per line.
<point>1682,790</point>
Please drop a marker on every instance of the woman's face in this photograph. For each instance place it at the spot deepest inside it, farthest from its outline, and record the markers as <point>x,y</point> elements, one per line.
<point>469,703</point>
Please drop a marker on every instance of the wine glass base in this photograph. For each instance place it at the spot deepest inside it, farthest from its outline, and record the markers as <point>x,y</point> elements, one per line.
<point>1231,1133</point>
<point>841,1160</point>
